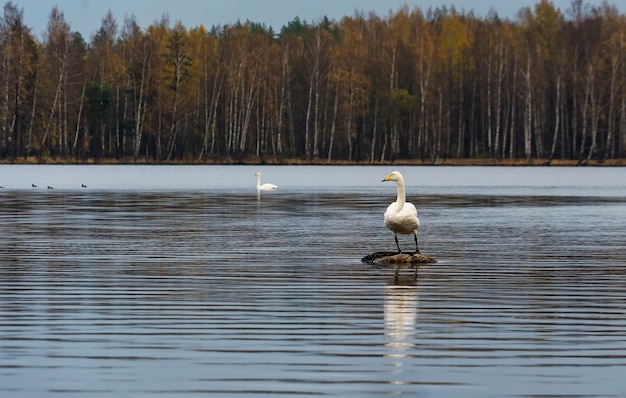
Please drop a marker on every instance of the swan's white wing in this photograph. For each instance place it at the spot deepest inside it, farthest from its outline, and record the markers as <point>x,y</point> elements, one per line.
<point>402,221</point>
<point>267,187</point>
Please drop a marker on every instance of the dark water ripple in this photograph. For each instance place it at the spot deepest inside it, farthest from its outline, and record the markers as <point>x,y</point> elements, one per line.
<point>190,293</point>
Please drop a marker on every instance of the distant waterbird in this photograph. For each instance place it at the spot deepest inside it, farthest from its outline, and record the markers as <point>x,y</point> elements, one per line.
<point>33,185</point>
<point>401,216</point>
<point>264,187</point>
<point>49,187</point>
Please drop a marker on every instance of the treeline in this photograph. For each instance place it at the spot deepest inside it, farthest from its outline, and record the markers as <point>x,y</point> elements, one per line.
<point>408,85</point>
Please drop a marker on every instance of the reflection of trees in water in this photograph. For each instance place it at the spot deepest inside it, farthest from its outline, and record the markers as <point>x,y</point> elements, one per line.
<point>400,320</point>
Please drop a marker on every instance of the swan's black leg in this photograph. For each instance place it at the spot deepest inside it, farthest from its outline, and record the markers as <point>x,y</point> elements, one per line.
<point>399,251</point>
<point>417,250</point>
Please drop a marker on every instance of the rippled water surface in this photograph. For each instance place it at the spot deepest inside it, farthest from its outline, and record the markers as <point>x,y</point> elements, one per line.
<point>182,281</point>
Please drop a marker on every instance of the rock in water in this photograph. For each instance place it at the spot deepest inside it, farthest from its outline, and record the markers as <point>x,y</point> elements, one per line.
<point>397,259</point>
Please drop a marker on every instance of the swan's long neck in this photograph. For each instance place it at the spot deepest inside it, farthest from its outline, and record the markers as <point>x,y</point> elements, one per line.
<point>401,193</point>
<point>258,181</point>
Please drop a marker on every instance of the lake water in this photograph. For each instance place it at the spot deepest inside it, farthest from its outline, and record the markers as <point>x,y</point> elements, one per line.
<point>182,281</point>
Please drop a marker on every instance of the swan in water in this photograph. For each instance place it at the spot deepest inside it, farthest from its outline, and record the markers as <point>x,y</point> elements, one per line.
<point>264,187</point>
<point>401,216</point>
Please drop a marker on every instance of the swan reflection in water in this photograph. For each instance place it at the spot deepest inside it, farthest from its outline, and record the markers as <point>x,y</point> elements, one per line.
<point>400,310</point>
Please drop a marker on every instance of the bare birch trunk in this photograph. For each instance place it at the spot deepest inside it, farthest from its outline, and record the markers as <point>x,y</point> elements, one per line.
<point>513,113</point>
<point>173,129</point>
<point>32,116</point>
<point>283,85</point>
<point>557,119</point>
<point>461,134</point>
<point>334,123</point>
<point>249,106</point>
<point>498,116</point>
<point>374,131</point>
<point>51,116</point>
<point>5,107</point>
<point>214,104</point>
<point>307,143</point>
<point>622,128</point>
<point>595,115</point>
<point>609,151</point>
<point>139,112</point>
<point>349,121</point>
<point>585,113</point>
<point>316,118</point>
<point>80,115</point>
<point>489,107</point>
<point>528,115</point>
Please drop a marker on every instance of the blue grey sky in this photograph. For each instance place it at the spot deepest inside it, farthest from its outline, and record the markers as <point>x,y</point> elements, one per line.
<point>85,16</point>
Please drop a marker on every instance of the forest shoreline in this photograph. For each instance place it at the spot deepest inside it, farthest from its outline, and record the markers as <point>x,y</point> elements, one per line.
<point>322,162</point>
<point>423,84</point>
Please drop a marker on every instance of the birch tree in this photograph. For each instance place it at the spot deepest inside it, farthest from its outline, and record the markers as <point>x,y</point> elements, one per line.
<point>20,57</point>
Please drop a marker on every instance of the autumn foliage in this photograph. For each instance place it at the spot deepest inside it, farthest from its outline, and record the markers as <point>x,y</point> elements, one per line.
<point>432,85</point>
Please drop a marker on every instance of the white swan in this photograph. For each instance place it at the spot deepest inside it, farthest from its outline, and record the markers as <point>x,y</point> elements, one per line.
<point>401,216</point>
<point>264,187</point>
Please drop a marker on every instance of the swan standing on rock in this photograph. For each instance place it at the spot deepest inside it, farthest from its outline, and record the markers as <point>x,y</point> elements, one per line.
<point>401,216</point>
<point>264,187</point>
